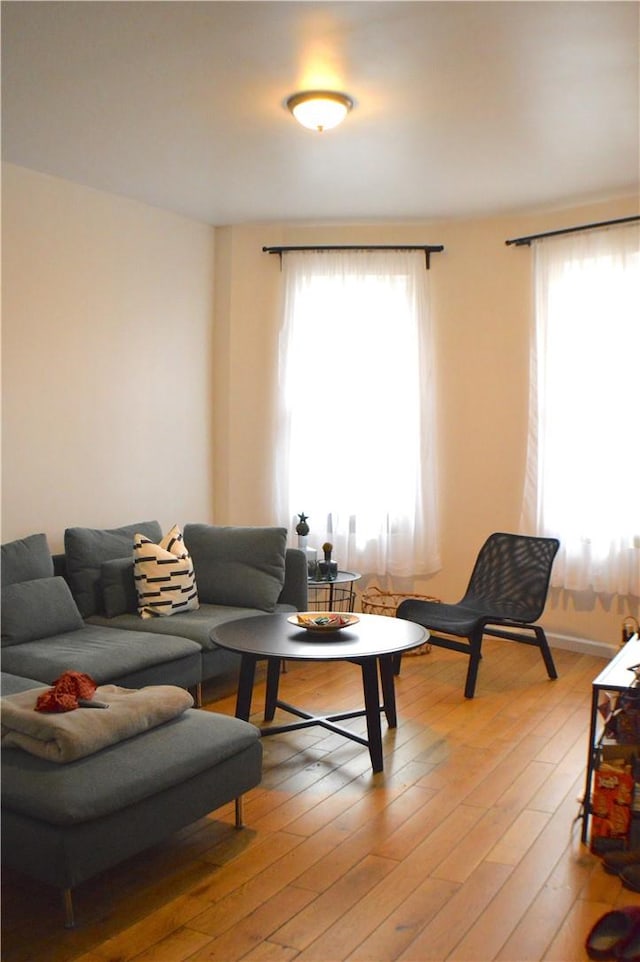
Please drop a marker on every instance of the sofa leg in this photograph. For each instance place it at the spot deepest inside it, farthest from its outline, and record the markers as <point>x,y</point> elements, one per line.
<point>69,920</point>
<point>240,811</point>
<point>198,696</point>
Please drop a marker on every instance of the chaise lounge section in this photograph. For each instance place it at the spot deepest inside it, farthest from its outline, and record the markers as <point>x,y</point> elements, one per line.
<point>63,824</point>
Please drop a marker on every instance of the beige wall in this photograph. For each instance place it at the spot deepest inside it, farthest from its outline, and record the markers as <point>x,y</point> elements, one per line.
<point>123,400</point>
<point>481,301</point>
<point>107,360</point>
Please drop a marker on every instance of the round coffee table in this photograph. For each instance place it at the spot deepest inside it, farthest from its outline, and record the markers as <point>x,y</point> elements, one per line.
<point>373,643</point>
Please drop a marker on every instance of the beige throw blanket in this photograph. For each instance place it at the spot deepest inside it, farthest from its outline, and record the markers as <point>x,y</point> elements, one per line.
<point>71,735</point>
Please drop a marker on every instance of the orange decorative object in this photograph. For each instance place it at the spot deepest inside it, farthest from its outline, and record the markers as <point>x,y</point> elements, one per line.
<point>66,691</point>
<point>75,683</point>
<point>54,701</point>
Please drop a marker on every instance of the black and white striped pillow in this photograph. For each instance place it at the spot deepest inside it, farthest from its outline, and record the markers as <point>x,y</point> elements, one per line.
<point>164,576</point>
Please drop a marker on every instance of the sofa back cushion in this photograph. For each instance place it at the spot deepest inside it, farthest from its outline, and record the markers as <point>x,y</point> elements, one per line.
<point>87,549</point>
<point>119,593</point>
<point>37,609</point>
<point>26,559</point>
<point>241,566</point>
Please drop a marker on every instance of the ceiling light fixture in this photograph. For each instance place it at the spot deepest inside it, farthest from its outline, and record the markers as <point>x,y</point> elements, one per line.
<point>319,109</point>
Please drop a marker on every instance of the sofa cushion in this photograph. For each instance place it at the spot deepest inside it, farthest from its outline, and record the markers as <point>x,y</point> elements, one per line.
<point>26,559</point>
<point>196,625</point>
<point>10,684</point>
<point>242,566</point>
<point>109,656</point>
<point>86,551</point>
<point>164,576</point>
<point>37,609</point>
<point>119,593</point>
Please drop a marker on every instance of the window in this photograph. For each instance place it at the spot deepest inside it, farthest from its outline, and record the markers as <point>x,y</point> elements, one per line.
<point>355,432</point>
<point>583,478</point>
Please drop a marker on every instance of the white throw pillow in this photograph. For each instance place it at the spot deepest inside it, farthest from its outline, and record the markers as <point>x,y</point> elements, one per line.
<point>164,576</point>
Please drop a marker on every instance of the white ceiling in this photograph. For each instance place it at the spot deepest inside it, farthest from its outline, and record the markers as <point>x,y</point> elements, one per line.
<point>462,108</point>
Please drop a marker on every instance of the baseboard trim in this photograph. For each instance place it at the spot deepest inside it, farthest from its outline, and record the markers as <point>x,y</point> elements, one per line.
<point>582,645</point>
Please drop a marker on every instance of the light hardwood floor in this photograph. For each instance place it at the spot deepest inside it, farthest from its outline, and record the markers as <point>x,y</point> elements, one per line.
<point>464,848</point>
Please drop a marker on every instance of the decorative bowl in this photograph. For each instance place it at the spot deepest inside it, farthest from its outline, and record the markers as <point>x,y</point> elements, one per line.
<point>322,620</point>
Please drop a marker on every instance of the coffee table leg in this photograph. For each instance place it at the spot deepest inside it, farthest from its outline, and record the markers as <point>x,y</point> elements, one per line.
<point>387,673</point>
<point>245,686</point>
<point>273,680</point>
<point>372,707</point>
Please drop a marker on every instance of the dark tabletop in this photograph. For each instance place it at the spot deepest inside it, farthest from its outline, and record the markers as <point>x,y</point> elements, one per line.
<point>273,636</point>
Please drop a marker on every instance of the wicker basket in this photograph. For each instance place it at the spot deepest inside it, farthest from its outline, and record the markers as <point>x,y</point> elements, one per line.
<point>374,601</point>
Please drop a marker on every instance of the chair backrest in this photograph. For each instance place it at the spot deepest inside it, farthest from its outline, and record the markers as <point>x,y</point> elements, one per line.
<point>510,578</point>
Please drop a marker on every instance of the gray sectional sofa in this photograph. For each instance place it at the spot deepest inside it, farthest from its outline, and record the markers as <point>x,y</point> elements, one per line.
<point>63,823</point>
<point>79,610</point>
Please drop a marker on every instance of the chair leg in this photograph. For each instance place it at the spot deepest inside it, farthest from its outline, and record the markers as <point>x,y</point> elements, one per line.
<point>475,645</point>
<point>543,645</point>
<point>67,900</point>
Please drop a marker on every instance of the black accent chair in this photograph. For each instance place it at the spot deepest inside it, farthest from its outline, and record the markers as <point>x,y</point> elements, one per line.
<point>508,589</point>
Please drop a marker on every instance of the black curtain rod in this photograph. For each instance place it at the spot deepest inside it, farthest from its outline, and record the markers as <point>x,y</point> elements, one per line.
<point>427,248</point>
<point>522,241</point>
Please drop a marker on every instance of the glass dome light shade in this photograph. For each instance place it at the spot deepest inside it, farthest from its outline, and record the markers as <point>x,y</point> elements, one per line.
<point>319,109</point>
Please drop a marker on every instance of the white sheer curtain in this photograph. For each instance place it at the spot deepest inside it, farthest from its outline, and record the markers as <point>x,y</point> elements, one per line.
<point>583,473</point>
<point>356,421</point>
